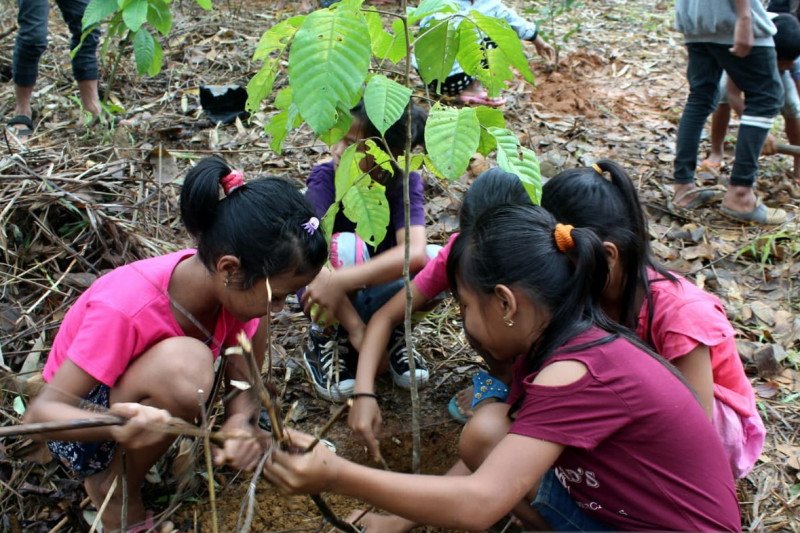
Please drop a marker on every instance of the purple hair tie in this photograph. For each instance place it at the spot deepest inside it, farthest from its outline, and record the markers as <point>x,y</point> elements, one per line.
<point>311,226</point>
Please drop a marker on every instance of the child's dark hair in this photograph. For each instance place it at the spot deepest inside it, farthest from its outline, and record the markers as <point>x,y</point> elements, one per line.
<point>490,189</point>
<point>514,245</point>
<point>259,222</point>
<point>585,198</point>
<point>787,38</point>
<point>396,134</point>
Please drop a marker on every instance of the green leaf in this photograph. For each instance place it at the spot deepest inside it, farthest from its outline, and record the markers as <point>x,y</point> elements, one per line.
<point>277,128</point>
<point>451,137</point>
<point>386,45</point>
<point>339,130</point>
<point>159,16</point>
<point>436,49</point>
<point>328,62</point>
<point>385,101</point>
<point>19,405</point>
<point>416,162</point>
<point>328,220</point>
<point>158,59</point>
<point>365,204</point>
<point>348,170</point>
<point>283,99</point>
<point>432,168</point>
<point>96,11</point>
<point>205,4</point>
<point>507,42</point>
<point>520,161</point>
<point>144,50</point>
<point>134,15</point>
<point>379,157</point>
<point>261,84</point>
<point>278,37</point>
<point>488,117</point>
<point>429,7</point>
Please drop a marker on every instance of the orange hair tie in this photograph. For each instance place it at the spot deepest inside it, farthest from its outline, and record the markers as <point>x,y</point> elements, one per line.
<point>563,236</point>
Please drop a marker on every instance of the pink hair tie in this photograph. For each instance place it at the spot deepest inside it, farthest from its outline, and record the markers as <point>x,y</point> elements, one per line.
<point>232,181</point>
<point>311,226</point>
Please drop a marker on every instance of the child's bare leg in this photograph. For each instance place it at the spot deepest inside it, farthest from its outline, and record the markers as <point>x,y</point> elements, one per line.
<point>169,376</point>
<point>90,99</point>
<point>719,127</point>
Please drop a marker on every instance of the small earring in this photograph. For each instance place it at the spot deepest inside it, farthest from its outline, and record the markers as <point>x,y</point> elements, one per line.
<point>509,322</point>
<point>227,281</point>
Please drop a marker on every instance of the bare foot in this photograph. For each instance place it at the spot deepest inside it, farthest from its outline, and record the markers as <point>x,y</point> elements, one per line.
<point>97,487</point>
<point>464,400</point>
<point>90,99</point>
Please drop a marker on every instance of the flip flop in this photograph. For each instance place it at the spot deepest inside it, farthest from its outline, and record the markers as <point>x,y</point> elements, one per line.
<point>484,386</point>
<point>481,99</point>
<point>761,214</point>
<point>702,196</point>
<point>21,120</point>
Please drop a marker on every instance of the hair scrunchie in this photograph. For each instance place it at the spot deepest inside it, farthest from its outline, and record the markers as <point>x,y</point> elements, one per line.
<point>232,181</point>
<point>563,237</point>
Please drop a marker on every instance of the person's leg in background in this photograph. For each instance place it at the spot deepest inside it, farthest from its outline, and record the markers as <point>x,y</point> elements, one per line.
<point>30,44</point>
<point>84,64</point>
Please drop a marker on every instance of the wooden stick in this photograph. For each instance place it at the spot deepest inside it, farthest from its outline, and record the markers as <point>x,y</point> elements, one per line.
<point>44,427</point>
<point>788,149</point>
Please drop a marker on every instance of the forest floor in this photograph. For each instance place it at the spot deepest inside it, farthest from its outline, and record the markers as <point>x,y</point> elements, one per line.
<point>80,200</point>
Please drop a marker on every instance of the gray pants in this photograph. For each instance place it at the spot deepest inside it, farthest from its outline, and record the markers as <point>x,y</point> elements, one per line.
<point>32,40</point>
<point>757,76</point>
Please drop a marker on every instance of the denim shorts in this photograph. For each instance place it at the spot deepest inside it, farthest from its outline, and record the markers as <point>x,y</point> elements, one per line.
<point>86,458</point>
<point>559,510</point>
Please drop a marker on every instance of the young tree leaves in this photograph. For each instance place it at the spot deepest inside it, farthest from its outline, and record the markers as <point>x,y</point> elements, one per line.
<point>385,101</point>
<point>507,42</point>
<point>429,7</point>
<point>278,37</point>
<point>328,61</point>
<point>159,16</point>
<point>135,14</point>
<point>386,45</point>
<point>147,52</point>
<point>488,117</point>
<point>365,204</point>
<point>451,137</point>
<point>523,162</point>
<point>205,4</point>
<point>379,157</point>
<point>436,49</point>
<point>97,11</point>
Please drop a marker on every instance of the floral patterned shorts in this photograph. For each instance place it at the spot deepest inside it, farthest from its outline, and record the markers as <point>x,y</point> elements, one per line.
<point>86,458</point>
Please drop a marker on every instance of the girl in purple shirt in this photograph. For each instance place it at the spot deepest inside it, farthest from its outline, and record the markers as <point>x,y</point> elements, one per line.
<point>605,435</point>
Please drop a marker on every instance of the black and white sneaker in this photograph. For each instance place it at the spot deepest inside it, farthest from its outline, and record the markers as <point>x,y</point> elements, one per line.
<point>398,363</point>
<point>326,359</point>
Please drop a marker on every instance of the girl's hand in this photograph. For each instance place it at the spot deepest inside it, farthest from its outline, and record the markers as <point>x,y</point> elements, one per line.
<point>544,49</point>
<point>241,454</point>
<point>742,37</point>
<point>302,473</point>
<point>325,293</point>
<point>365,420</point>
<point>136,432</point>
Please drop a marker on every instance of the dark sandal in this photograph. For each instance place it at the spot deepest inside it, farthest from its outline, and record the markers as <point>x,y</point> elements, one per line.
<point>484,386</point>
<point>21,120</point>
<point>702,196</point>
<point>761,214</point>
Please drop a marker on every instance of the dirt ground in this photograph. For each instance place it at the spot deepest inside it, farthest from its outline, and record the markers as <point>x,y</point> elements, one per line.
<point>82,200</point>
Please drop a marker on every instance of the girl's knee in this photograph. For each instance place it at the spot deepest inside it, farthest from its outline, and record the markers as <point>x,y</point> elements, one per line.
<point>487,427</point>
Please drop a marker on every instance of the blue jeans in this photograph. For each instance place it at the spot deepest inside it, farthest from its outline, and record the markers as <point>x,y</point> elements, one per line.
<point>32,40</point>
<point>757,76</point>
<point>559,510</point>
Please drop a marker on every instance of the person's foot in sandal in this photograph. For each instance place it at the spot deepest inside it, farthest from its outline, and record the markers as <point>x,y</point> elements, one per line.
<point>740,203</point>
<point>688,196</point>
<point>21,127</point>
<point>485,388</point>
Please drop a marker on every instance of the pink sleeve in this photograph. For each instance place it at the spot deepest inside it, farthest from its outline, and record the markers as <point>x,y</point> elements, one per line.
<point>679,329</point>
<point>104,344</point>
<point>432,279</point>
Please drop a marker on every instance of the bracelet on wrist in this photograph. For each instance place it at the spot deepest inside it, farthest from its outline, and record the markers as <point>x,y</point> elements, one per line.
<point>357,395</point>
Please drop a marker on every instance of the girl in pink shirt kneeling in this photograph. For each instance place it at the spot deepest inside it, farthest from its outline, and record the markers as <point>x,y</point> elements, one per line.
<point>141,342</point>
<point>681,322</point>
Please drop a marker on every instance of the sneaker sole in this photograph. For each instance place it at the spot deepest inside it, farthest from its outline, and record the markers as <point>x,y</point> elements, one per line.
<point>404,381</point>
<point>337,394</point>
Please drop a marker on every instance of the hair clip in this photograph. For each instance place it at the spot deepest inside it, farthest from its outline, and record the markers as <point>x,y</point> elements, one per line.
<point>311,226</point>
<point>232,181</point>
<point>597,168</point>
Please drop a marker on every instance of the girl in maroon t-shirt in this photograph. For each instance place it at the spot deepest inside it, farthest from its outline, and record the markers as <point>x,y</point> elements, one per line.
<point>606,436</point>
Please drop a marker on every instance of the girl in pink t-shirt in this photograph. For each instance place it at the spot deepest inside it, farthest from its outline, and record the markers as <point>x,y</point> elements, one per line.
<point>605,434</point>
<point>681,322</point>
<point>141,342</point>
<point>490,189</point>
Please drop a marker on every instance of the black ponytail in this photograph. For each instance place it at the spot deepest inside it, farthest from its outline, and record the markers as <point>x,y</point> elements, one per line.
<point>515,245</point>
<point>491,188</point>
<point>610,207</point>
<point>260,222</point>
